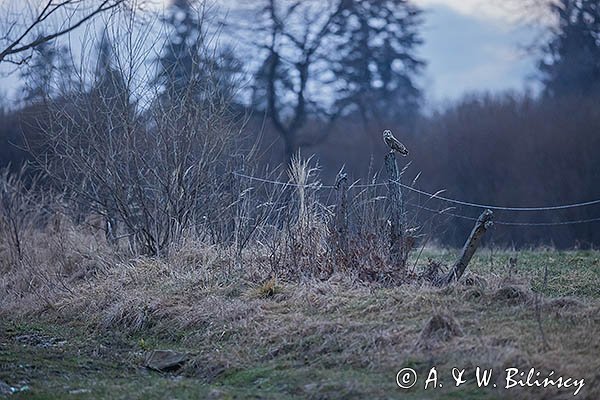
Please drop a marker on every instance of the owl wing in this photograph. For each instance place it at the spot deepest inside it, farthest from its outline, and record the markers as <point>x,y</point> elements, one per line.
<point>401,147</point>
<point>397,145</point>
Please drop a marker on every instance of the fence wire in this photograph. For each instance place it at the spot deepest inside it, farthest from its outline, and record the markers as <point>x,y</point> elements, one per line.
<point>453,201</point>
<point>506,223</point>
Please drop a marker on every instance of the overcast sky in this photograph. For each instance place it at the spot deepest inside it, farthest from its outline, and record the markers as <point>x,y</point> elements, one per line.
<point>470,45</point>
<point>474,45</point>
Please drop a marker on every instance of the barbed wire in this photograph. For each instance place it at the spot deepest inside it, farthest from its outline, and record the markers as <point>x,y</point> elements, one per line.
<point>506,223</point>
<point>445,211</point>
<point>572,222</point>
<point>291,184</point>
<point>500,208</point>
<point>430,195</point>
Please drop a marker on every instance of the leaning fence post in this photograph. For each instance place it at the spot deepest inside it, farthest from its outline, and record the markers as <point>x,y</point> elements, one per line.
<point>484,222</point>
<point>396,210</point>
<point>341,216</point>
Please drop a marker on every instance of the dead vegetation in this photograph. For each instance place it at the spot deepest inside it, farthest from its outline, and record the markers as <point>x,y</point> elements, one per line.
<point>277,292</point>
<point>156,236</point>
<point>161,170</point>
<point>231,319</point>
<point>143,225</point>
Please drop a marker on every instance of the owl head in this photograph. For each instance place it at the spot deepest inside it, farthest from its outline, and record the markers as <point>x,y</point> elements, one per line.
<point>387,133</point>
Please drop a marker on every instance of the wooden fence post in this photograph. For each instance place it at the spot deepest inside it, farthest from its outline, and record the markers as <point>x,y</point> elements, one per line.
<point>233,189</point>
<point>396,209</point>
<point>484,222</point>
<point>341,217</point>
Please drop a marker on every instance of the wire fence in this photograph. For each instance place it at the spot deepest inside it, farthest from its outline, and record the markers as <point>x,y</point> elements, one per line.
<point>452,201</point>
<point>508,223</point>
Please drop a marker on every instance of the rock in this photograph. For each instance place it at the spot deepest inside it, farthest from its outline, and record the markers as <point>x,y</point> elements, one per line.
<point>23,389</point>
<point>165,360</point>
<point>6,389</point>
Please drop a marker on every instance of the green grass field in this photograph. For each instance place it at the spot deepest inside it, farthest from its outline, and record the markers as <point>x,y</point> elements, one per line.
<point>323,340</point>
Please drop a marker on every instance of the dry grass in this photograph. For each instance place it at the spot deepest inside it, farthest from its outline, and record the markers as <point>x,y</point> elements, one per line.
<point>275,302</point>
<point>236,320</point>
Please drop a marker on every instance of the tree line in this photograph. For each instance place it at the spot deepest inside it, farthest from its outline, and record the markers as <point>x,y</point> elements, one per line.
<point>326,78</point>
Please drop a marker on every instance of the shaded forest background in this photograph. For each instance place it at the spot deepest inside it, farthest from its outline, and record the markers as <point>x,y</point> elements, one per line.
<point>327,79</point>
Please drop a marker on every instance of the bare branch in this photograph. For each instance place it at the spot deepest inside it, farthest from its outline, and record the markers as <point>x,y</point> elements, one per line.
<point>17,46</point>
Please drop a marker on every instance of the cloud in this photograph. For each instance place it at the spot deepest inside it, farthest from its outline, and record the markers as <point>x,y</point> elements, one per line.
<point>469,45</point>
<point>481,9</point>
<point>466,53</point>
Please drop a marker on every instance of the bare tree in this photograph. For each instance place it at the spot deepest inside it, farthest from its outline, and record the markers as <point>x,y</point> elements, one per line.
<point>316,64</point>
<point>22,35</point>
<point>294,34</point>
<point>152,166</point>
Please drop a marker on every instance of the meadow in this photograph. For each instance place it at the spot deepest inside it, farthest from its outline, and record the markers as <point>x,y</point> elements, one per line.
<point>84,330</point>
<point>183,218</point>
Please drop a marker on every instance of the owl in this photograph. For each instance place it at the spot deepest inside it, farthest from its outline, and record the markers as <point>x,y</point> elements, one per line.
<point>394,144</point>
